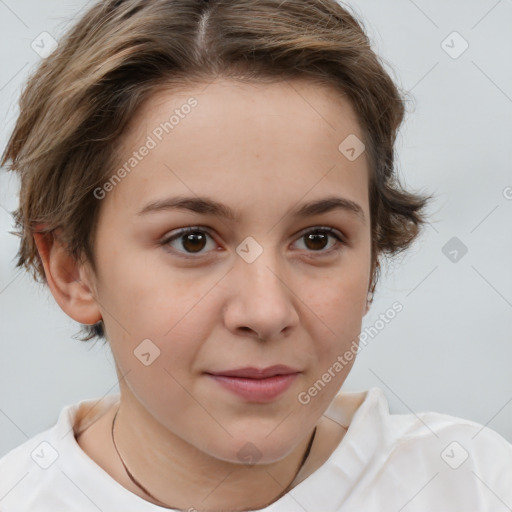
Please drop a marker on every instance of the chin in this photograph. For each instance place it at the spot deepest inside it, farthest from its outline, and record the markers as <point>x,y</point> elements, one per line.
<point>261,450</point>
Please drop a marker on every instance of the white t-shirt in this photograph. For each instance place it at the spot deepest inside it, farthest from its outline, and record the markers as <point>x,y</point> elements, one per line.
<point>427,462</point>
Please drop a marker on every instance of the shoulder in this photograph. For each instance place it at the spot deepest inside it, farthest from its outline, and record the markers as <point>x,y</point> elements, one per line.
<point>24,472</point>
<point>462,435</point>
<point>455,439</point>
<point>41,473</point>
<point>462,458</point>
<point>427,459</point>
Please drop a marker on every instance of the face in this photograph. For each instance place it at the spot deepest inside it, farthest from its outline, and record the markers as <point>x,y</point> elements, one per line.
<point>263,286</point>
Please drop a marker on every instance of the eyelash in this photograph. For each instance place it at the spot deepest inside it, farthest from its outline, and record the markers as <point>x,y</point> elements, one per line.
<point>320,229</point>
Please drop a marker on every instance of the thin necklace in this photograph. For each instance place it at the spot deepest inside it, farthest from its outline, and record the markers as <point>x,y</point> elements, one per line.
<point>140,486</point>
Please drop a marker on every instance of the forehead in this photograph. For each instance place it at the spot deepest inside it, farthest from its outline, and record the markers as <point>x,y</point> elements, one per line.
<point>302,99</point>
<point>225,104</point>
<point>283,136</point>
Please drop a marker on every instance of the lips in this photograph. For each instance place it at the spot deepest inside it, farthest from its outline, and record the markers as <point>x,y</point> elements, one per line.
<point>257,385</point>
<point>257,373</point>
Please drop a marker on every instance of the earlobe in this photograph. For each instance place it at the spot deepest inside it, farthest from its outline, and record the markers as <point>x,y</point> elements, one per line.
<point>67,279</point>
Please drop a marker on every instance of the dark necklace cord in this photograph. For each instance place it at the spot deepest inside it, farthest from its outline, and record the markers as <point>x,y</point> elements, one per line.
<point>140,486</point>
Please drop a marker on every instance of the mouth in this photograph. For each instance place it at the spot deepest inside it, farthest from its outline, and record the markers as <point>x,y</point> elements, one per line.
<point>258,385</point>
<point>257,373</point>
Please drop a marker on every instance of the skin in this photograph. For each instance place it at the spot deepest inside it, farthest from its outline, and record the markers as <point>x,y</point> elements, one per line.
<point>261,150</point>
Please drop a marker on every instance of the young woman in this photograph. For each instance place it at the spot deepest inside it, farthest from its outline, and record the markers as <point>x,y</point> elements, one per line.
<point>209,186</point>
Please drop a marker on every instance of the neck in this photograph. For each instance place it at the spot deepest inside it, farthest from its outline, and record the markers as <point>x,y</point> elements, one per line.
<point>179,475</point>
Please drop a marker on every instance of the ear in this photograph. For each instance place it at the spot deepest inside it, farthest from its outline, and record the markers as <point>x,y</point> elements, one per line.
<point>371,287</point>
<point>369,302</point>
<point>69,282</point>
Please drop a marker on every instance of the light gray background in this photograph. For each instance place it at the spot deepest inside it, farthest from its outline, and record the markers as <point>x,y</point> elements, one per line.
<point>450,348</point>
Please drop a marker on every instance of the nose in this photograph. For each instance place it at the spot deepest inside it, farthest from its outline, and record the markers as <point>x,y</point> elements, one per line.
<point>261,298</point>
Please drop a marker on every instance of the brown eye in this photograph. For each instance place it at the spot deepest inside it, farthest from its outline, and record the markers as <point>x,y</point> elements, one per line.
<point>189,241</point>
<point>194,242</point>
<point>316,240</point>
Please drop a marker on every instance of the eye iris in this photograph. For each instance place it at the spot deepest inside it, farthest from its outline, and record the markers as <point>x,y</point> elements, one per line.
<point>314,237</point>
<point>195,239</point>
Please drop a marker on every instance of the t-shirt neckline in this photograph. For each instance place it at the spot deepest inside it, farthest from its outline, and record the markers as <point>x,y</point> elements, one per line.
<point>347,460</point>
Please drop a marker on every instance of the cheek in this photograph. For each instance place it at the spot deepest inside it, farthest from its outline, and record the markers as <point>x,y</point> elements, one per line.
<point>157,347</point>
<point>339,303</point>
<point>147,298</point>
<point>336,313</point>
<point>155,330</point>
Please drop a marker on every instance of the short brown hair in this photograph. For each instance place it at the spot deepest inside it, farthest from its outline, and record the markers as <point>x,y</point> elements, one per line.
<point>76,106</point>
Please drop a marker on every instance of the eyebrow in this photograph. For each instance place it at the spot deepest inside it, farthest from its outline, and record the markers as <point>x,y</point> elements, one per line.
<point>207,206</point>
